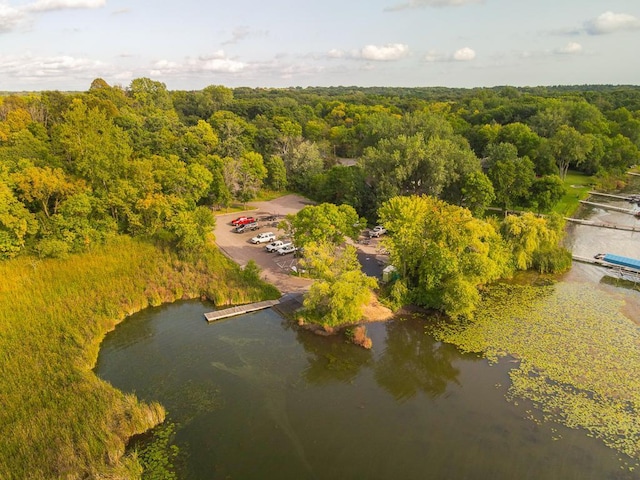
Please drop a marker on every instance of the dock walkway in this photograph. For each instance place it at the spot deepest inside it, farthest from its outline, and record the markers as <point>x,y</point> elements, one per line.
<point>610,207</point>
<point>239,310</point>
<point>613,226</point>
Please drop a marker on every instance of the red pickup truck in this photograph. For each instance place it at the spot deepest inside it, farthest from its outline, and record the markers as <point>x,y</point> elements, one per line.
<point>242,221</point>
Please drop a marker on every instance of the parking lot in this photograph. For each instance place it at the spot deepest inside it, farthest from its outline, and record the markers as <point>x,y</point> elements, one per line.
<point>277,269</point>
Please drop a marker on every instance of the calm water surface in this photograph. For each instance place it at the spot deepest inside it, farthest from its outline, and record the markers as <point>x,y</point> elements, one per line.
<point>255,398</point>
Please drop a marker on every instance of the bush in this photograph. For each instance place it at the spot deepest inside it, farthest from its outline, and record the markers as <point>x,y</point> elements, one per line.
<point>552,260</point>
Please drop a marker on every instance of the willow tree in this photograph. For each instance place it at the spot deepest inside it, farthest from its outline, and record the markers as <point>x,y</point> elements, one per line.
<point>341,289</point>
<point>535,242</point>
<point>443,253</point>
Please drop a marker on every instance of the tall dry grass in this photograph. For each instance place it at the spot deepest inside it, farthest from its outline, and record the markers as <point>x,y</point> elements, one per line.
<point>57,419</point>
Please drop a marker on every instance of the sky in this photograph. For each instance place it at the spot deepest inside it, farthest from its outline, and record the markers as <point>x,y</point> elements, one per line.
<point>190,44</point>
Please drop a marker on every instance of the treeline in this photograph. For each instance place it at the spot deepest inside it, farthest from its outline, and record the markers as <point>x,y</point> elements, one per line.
<point>76,168</point>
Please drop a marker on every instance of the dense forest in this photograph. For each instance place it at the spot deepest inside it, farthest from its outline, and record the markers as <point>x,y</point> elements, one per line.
<point>76,168</point>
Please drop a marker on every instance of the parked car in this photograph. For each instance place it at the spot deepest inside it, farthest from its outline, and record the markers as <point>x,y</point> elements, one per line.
<point>274,246</point>
<point>289,248</point>
<point>377,231</point>
<point>246,226</point>
<point>242,221</point>
<point>264,237</point>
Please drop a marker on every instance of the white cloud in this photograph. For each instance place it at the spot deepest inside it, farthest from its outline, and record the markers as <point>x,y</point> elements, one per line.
<point>49,5</point>
<point>610,22</point>
<point>12,17</point>
<point>385,53</point>
<point>335,53</point>
<point>28,68</point>
<point>9,17</point>
<point>570,48</point>
<point>216,62</point>
<point>239,33</point>
<point>217,55</point>
<point>431,3</point>
<point>464,54</point>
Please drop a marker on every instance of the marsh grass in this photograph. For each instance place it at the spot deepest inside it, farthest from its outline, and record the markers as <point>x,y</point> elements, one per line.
<point>57,419</point>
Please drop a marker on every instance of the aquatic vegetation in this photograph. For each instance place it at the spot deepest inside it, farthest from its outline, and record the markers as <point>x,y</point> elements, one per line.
<point>579,356</point>
<point>158,455</point>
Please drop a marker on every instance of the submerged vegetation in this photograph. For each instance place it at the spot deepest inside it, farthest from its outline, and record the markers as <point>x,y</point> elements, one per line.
<point>57,418</point>
<point>578,356</point>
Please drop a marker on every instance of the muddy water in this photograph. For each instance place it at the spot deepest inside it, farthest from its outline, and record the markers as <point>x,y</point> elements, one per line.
<point>254,398</point>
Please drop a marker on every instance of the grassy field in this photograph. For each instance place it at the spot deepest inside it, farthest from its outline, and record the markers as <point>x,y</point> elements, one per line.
<point>57,419</point>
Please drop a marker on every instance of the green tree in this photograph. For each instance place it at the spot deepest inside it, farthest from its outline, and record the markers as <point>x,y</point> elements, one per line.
<point>546,192</point>
<point>45,187</point>
<point>276,173</point>
<point>510,175</point>
<point>324,223</point>
<point>93,146</point>
<point>192,228</point>
<point>16,223</point>
<point>244,176</point>
<point>303,163</point>
<point>476,193</point>
<point>442,252</point>
<point>569,147</point>
<point>528,234</point>
<point>341,290</point>
<point>525,140</point>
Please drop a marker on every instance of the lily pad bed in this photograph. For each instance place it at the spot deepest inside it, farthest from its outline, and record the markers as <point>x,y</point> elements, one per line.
<point>579,356</point>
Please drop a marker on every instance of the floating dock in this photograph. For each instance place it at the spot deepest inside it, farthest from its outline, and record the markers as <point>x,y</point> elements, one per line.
<point>239,310</point>
<point>610,207</point>
<point>633,198</point>
<point>612,226</point>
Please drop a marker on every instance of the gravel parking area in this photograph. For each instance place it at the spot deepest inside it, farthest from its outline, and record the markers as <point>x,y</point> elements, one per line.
<point>276,269</point>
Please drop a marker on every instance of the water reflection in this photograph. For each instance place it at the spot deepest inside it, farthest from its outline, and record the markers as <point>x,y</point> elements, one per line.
<point>413,361</point>
<point>331,359</point>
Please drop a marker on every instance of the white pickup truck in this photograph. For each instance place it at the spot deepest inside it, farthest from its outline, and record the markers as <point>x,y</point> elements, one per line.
<point>263,237</point>
<point>274,246</point>
<point>377,231</point>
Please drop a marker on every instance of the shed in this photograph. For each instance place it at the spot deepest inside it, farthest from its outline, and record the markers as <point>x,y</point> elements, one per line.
<point>389,274</point>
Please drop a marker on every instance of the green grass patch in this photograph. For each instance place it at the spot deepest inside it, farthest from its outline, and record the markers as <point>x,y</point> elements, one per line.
<point>58,420</point>
<point>578,187</point>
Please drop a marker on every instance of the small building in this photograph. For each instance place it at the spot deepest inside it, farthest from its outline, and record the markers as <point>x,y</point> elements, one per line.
<point>389,274</point>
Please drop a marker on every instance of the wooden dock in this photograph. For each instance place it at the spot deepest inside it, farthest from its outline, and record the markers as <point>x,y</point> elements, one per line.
<point>239,310</point>
<point>612,226</point>
<point>609,207</point>
<point>627,198</point>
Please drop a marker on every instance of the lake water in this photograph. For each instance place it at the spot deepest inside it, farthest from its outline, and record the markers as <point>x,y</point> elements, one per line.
<point>256,398</point>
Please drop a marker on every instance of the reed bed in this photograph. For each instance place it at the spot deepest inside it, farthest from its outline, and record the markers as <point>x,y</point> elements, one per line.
<point>57,419</point>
